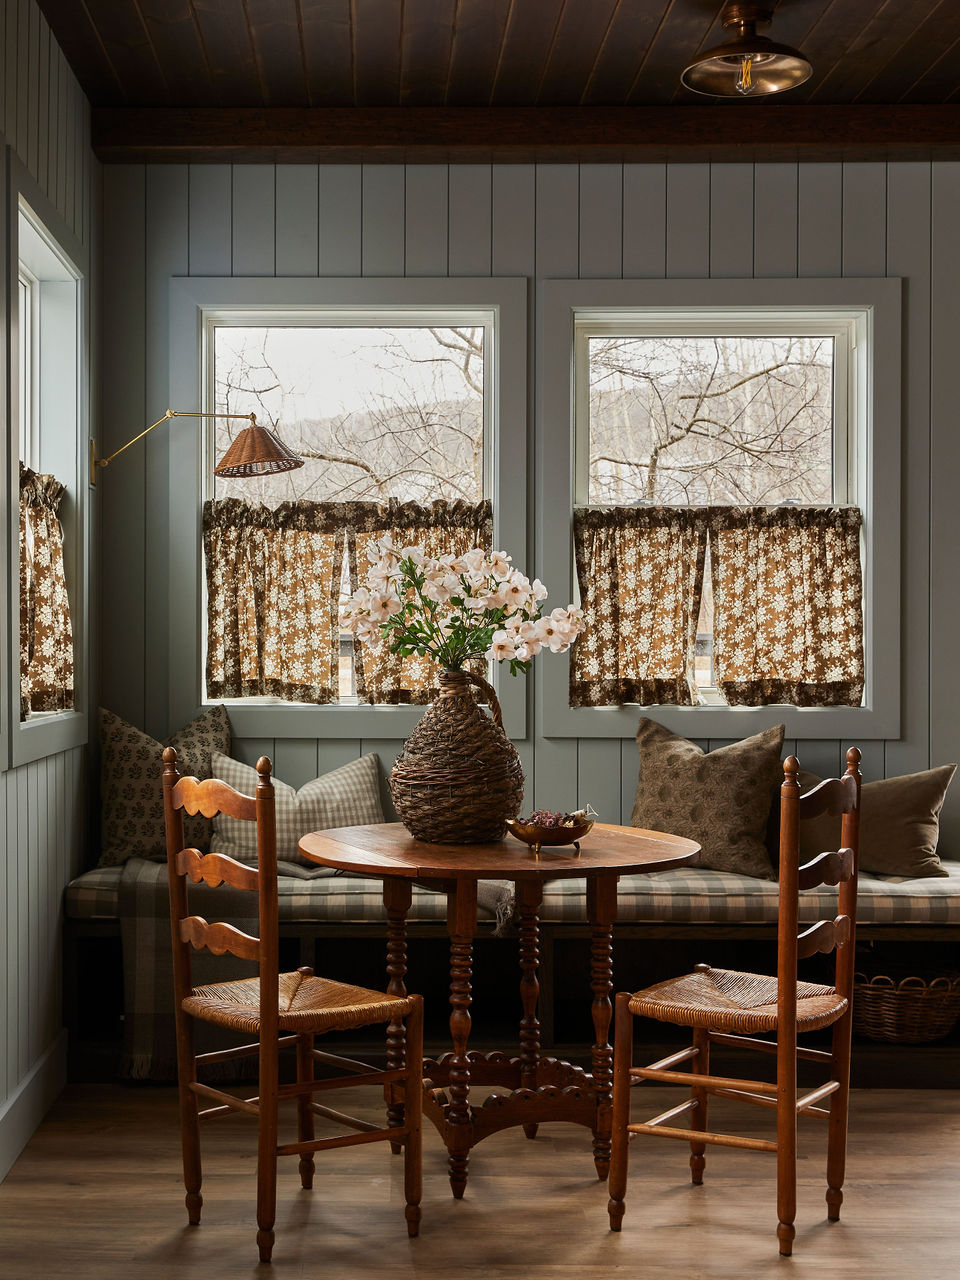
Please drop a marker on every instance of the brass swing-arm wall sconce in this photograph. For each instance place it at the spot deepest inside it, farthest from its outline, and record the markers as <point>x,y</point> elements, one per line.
<point>257,451</point>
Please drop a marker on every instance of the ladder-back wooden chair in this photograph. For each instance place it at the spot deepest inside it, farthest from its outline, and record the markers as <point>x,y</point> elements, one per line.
<point>736,1009</point>
<point>279,1009</point>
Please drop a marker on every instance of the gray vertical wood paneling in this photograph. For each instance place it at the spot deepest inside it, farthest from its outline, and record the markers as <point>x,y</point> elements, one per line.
<point>514,220</point>
<point>387,749</point>
<point>644,221</point>
<point>384,202</point>
<point>21,907</point>
<point>598,778</point>
<point>210,220</point>
<point>864,219</point>
<point>253,205</point>
<point>21,137</point>
<point>909,256</point>
<point>731,220</point>
<point>601,221</point>
<point>168,251</point>
<point>470,219</point>
<point>775,220</point>
<point>426,225</point>
<point>123,408</point>
<point>10,71</point>
<point>298,219</point>
<point>557,256</point>
<point>249,750</point>
<point>294,760</point>
<point>333,752</point>
<point>819,220</point>
<point>944,470</point>
<point>341,216</point>
<point>688,221</point>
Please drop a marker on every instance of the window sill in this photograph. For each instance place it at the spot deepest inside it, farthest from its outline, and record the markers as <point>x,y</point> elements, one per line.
<point>289,720</point>
<point>46,735</point>
<point>558,719</point>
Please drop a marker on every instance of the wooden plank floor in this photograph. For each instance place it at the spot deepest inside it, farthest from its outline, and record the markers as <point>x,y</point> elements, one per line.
<point>97,1194</point>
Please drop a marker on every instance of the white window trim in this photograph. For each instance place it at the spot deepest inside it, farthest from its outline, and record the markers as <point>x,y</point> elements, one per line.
<point>28,365</point>
<point>49,733</point>
<point>192,301</point>
<point>876,479</point>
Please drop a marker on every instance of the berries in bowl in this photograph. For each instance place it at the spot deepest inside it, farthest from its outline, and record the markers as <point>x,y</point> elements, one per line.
<point>545,827</point>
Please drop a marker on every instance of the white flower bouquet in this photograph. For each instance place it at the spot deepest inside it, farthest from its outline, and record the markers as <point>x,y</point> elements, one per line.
<point>455,608</point>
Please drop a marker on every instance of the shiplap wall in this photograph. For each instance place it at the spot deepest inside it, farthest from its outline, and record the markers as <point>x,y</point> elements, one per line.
<point>45,119</point>
<point>553,221</point>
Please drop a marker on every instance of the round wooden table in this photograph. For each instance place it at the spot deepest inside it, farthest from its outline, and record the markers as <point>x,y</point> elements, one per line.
<point>540,1088</point>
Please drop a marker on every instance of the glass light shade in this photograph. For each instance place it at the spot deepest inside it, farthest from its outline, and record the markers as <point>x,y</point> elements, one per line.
<point>750,65</point>
<point>257,451</point>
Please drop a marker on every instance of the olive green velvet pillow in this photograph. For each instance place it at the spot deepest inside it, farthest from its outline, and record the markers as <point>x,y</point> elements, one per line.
<point>719,798</point>
<point>899,824</point>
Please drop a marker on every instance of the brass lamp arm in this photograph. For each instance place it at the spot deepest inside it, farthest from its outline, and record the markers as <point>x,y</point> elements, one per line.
<point>171,413</point>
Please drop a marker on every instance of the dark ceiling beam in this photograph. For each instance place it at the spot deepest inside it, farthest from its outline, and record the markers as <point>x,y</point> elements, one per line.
<point>349,135</point>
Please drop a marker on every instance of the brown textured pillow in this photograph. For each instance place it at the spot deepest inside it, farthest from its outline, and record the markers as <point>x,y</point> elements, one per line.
<point>899,824</point>
<point>131,793</point>
<point>720,799</point>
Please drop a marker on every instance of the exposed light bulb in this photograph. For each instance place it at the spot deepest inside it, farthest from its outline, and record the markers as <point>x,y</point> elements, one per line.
<point>745,77</point>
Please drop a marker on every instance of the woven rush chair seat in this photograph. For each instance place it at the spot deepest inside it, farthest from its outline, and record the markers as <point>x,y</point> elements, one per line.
<point>307,1004</point>
<point>730,1001</point>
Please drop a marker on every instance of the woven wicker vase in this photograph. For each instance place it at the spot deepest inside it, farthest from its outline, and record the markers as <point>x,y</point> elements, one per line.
<point>458,777</point>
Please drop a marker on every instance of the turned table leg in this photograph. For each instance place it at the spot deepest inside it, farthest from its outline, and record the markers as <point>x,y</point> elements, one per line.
<point>397,896</point>
<point>602,912</point>
<point>529,897</point>
<point>462,921</point>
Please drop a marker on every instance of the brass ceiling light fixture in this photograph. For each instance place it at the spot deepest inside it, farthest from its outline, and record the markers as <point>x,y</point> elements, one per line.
<point>747,65</point>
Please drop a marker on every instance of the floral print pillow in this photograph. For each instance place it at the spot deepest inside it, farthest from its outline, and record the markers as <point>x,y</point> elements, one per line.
<point>719,798</point>
<point>131,790</point>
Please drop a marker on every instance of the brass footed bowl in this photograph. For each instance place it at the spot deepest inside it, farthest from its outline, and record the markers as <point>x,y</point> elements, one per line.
<point>537,837</point>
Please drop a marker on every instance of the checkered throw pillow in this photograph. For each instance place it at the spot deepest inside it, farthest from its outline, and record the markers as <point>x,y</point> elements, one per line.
<point>346,797</point>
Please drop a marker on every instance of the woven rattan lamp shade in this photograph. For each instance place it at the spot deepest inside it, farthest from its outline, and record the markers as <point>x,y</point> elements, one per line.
<point>257,451</point>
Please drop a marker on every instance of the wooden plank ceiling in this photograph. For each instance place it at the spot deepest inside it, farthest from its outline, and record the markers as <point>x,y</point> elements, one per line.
<point>442,55</point>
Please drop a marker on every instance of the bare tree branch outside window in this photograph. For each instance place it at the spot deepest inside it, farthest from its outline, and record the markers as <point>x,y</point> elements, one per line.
<point>377,413</point>
<point>677,420</point>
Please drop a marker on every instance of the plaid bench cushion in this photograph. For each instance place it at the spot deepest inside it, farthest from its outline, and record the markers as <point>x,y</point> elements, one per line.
<point>688,895</point>
<point>696,894</point>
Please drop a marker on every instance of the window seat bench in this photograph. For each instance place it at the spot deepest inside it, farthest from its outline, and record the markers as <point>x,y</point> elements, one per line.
<point>337,924</point>
<point>688,896</point>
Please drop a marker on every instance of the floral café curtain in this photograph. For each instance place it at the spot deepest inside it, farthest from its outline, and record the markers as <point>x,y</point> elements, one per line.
<point>788,605</point>
<point>273,588</point>
<point>640,571</point>
<point>46,632</point>
<point>442,528</point>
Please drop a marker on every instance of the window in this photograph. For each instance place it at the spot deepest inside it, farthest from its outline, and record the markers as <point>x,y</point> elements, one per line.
<point>391,390</point>
<point>48,551</point>
<point>743,412</point>
<point>380,410</point>
<point>706,395</point>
